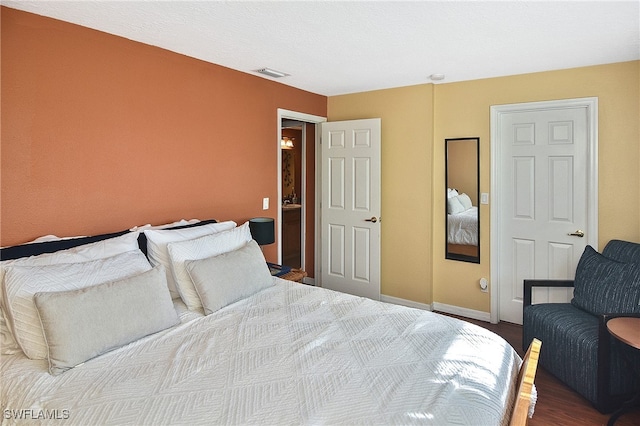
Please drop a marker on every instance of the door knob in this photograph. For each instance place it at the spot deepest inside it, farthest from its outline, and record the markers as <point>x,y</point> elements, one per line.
<point>578,233</point>
<point>373,219</point>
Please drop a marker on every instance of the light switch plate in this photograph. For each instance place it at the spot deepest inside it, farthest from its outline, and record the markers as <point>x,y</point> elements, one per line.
<point>484,198</point>
<point>265,203</point>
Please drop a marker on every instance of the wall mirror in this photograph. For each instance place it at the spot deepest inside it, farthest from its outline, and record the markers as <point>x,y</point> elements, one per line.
<point>462,192</point>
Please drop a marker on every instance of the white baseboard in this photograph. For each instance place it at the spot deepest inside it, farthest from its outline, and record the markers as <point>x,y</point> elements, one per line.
<point>310,281</point>
<point>404,302</point>
<point>463,312</point>
<point>441,307</point>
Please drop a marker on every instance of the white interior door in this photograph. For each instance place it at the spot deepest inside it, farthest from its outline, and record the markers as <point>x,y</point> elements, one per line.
<point>350,207</point>
<point>545,198</point>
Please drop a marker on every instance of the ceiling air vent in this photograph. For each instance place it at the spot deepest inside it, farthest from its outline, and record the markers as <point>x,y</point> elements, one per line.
<point>272,73</point>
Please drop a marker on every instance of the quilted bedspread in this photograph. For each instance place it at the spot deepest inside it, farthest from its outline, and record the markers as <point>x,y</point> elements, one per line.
<point>463,227</point>
<point>290,354</point>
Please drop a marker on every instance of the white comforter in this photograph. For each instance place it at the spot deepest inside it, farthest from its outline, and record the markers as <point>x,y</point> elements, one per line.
<point>290,354</point>
<point>463,227</point>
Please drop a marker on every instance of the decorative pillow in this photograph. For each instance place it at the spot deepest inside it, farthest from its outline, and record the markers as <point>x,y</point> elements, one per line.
<point>200,248</point>
<point>22,282</point>
<point>622,251</point>
<point>81,324</point>
<point>83,249</point>
<point>227,278</point>
<point>157,240</point>
<point>465,201</point>
<point>454,206</point>
<point>605,286</point>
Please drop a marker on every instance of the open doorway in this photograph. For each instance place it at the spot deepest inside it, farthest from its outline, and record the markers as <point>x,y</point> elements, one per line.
<point>297,217</point>
<point>292,157</point>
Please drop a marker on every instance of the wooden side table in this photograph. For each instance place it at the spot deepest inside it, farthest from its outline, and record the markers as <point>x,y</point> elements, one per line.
<point>296,275</point>
<point>627,331</point>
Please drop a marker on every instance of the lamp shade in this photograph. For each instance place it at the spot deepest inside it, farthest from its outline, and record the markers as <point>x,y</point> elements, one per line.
<point>262,230</point>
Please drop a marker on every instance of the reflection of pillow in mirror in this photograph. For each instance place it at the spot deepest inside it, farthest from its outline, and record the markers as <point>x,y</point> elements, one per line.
<point>454,206</point>
<point>451,193</point>
<point>465,201</point>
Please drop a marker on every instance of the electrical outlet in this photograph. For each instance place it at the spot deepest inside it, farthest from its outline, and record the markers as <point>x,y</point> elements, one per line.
<point>265,203</point>
<point>484,285</point>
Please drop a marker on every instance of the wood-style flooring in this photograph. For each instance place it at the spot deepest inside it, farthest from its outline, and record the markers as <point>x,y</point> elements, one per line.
<point>557,404</point>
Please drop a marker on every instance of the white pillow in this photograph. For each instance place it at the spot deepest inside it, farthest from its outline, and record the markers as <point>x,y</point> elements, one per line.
<point>47,238</point>
<point>465,201</point>
<point>8,344</point>
<point>22,282</point>
<point>81,324</point>
<point>180,222</point>
<point>200,248</point>
<point>454,206</point>
<point>83,253</point>
<point>50,237</point>
<point>451,193</point>
<point>229,277</point>
<point>157,240</point>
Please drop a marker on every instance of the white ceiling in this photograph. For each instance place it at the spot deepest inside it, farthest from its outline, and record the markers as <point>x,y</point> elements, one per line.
<point>337,47</point>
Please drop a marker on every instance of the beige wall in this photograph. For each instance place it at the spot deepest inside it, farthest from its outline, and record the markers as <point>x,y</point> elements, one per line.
<point>463,109</point>
<point>407,123</point>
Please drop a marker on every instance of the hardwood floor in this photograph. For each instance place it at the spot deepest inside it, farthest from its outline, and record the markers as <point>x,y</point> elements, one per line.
<point>557,404</point>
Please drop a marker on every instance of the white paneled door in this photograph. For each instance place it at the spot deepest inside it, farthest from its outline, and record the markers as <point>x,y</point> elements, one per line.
<point>543,185</point>
<point>350,207</point>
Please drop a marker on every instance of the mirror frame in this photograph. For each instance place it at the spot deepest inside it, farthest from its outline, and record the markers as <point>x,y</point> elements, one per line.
<point>451,255</point>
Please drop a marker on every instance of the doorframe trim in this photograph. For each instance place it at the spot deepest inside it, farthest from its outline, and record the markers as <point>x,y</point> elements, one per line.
<point>307,118</point>
<point>497,112</point>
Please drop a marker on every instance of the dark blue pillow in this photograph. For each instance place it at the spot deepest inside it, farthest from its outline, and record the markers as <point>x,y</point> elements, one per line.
<point>622,251</point>
<point>606,286</point>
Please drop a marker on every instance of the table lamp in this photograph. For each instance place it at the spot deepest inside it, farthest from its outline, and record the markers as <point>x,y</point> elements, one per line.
<point>262,230</point>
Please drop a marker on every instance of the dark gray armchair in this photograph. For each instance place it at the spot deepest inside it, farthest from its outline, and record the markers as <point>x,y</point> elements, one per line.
<point>577,348</point>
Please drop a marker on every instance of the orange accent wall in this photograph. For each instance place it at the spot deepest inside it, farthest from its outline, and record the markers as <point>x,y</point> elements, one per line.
<point>100,133</point>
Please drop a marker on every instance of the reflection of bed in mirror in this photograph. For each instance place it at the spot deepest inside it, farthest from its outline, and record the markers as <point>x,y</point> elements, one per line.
<point>462,180</point>
<point>462,224</point>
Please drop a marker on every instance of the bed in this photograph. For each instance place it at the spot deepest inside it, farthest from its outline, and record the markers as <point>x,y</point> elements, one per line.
<point>463,227</point>
<point>237,347</point>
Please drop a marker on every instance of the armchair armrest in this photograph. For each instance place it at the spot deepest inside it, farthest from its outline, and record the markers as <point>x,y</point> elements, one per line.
<point>529,284</point>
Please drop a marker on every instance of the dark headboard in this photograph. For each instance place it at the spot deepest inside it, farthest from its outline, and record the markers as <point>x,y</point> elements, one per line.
<point>142,239</point>
<point>34,249</point>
